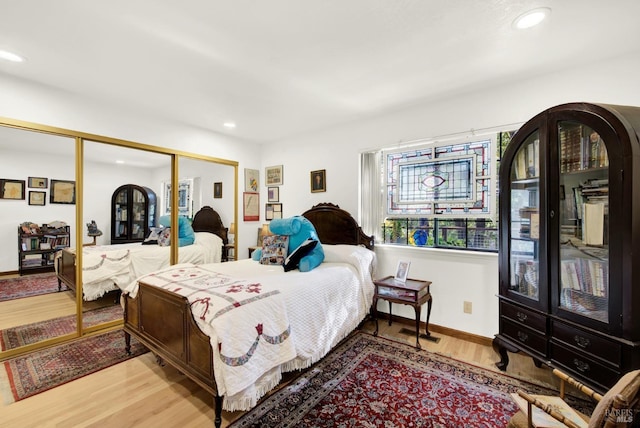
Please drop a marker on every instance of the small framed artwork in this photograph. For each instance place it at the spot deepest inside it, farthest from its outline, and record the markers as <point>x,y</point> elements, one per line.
<point>251,180</point>
<point>251,206</point>
<point>38,182</point>
<point>11,189</point>
<point>217,190</point>
<point>402,271</point>
<point>273,175</point>
<point>37,198</point>
<point>273,194</point>
<point>62,192</point>
<point>319,181</point>
<point>273,211</point>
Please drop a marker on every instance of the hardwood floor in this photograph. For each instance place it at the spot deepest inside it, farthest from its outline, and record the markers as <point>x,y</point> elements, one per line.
<point>140,393</point>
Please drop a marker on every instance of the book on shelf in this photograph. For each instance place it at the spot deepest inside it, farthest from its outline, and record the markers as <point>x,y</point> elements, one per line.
<point>541,419</point>
<point>593,223</point>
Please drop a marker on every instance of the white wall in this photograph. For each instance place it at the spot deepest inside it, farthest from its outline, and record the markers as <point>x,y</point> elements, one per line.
<point>456,276</point>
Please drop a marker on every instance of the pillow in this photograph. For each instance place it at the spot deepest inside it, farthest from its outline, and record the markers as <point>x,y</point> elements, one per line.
<point>186,235</point>
<point>164,237</point>
<point>152,239</point>
<point>257,254</point>
<point>274,249</point>
<point>293,260</point>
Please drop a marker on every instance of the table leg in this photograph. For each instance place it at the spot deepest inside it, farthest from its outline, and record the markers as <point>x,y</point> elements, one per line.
<point>418,310</point>
<point>389,313</point>
<point>375,314</point>
<point>426,327</point>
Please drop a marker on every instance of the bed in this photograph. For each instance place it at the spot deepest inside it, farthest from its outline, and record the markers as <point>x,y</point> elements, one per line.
<point>304,316</point>
<point>107,268</point>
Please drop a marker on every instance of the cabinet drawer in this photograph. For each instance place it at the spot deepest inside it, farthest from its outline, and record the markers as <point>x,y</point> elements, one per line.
<point>601,376</point>
<point>587,342</point>
<point>526,337</point>
<point>523,316</point>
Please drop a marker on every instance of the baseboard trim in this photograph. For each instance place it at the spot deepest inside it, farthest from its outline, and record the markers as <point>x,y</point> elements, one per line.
<point>435,328</point>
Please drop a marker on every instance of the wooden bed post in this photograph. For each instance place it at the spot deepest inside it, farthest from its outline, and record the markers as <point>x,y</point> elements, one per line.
<point>217,401</point>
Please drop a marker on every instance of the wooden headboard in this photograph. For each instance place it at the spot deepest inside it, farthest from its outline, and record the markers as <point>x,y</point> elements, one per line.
<point>336,226</point>
<point>208,220</point>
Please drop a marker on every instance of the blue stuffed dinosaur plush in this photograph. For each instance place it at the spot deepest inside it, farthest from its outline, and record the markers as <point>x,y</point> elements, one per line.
<point>305,250</point>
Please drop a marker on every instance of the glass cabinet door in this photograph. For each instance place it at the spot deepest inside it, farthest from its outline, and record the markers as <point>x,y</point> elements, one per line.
<point>524,231</point>
<point>121,214</point>
<point>139,215</point>
<point>584,229</point>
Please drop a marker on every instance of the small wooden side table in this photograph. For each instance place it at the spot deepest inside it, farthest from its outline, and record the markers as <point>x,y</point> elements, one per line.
<point>412,292</point>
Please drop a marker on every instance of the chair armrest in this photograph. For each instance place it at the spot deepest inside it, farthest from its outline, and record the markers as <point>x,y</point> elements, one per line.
<point>578,385</point>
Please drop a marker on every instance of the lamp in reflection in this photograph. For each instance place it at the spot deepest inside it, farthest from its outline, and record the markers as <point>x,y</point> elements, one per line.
<point>232,231</point>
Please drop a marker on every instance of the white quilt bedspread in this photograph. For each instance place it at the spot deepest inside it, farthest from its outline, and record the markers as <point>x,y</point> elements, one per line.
<point>322,307</point>
<point>107,267</point>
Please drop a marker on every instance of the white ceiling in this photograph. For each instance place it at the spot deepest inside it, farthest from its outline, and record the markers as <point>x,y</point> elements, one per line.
<point>279,68</point>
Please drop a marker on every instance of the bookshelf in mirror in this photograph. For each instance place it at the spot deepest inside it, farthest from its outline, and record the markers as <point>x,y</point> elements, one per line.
<point>569,228</point>
<point>37,245</point>
<point>133,212</point>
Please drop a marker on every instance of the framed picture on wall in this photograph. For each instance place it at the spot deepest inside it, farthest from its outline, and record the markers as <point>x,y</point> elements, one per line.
<point>217,190</point>
<point>251,180</point>
<point>319,181</point>
<point>62,192</point>
<point>251,206</point>
<point>38,182</point>
<point>37,198</point>
<point>273,211</point>
<point>11,189</point>
<point>273,175</point>
<point>273,194</point>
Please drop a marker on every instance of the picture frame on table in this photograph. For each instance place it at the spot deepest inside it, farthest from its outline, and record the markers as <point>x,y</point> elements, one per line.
<point>319,181</point>
<point>38,182</point>
<point>402,271</point>
<point>273,194</point>
<point>62,192</point>
<point>274,175</point>
<point>273,211</point>
<point>251,180</point>
<point>11,189</point>
<point>37,198</point>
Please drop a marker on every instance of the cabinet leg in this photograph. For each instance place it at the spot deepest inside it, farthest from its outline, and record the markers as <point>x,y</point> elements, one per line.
<point>127,343</point>
<point>501,349</point>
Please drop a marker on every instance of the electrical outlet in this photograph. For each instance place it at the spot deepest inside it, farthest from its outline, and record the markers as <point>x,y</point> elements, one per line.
<point>467,308</point>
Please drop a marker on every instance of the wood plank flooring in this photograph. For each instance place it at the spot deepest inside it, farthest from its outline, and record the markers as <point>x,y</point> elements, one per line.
<point>140,393</point>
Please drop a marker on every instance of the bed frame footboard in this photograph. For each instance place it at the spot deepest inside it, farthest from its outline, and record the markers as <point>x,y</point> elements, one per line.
<point>66,270</point>
<point>162,321</point>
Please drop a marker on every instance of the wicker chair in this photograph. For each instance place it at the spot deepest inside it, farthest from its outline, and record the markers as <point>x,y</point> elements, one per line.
<point>619,407</point>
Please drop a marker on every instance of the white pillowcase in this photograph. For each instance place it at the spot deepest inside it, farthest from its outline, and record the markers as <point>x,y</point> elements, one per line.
<point>207,239</point>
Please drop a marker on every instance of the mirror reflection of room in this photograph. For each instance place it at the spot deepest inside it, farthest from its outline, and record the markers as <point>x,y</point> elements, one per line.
<point>41,219</point>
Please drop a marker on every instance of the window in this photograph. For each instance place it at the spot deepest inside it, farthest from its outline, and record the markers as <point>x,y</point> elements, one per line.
<point>441,195</point>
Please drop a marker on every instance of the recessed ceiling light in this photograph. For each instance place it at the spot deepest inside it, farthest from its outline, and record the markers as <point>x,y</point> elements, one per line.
<point>229,125</point>
<point>10,56</point>
<point>531,18</point>
<point>120,162</point>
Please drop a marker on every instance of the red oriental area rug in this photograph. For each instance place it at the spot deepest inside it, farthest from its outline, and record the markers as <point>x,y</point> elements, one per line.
<point>375,382</point>
<point>41,370</point>
<point>28,285</point>
<point>14,337</point>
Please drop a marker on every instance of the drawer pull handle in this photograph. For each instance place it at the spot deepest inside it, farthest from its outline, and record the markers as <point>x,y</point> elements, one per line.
<point>582,342</point>
<point>521,317</point>
<point>523,336</point>
<point>581,365</point>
